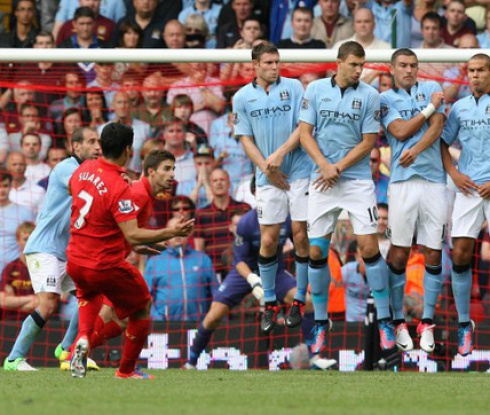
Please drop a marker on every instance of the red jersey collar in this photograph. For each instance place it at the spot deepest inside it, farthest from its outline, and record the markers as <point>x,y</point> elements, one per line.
<point>111,166</point>
<point>147,186</point>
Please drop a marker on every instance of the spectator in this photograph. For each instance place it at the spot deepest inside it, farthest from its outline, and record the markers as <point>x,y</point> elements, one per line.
<point>236,10</point>
<point>130,37</point>
<point>131,85</point>
<point>23,191</point>
<point>94,107</point>
<point>55,156</point>
<point>20,94</point>
<point>456,23</point>
<point>200,191</point>
<point>11,216</point>
<point>182,206</point>
<point>228,151</point>
<point>145,16</point>
<point>83,38</point>
<point>385,82</point>
<point>280,17</point>
<point>48,9</point>
<point>212,222</point>
<point>17,298</point>
<point>308,77</point>
<point>380,180</point>
<point>120,106</point>
<point>114,10</point>
<point>31,147</point>
<point>103,80</point>
<point>181,282</point>
<point>174,35</point>
<point>229,31</point>
<point>210,12</point>
<point>331,27</point>
<point>484,37</point>
<point>422,7</point>
<point>455,84</point>
<point>26,26</point>
<point>182,108</point>
<point>152,110</point>
<point>196,31</point>
<point>356,286</point>
<point>431,30</point>
<point>150,145</point>
<point>302,23</point>
<point>383,11</point>
<point>383,240</point>
<point>71,120</point>
<point>73,82</point>
<point>205,93</point>
<point>103,27</point>
<point>29,122</point>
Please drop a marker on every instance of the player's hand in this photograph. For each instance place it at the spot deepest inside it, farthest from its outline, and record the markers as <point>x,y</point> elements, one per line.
<point>484,190</point>
<point>408,157</point>
<point>274,161</point>
<point>184,227</point>
<point>329,175</point>
<point>464,183</point>
<point>277,178</point>
<point>146,250</point>
<point>256,284</point>
<point>437,98</point>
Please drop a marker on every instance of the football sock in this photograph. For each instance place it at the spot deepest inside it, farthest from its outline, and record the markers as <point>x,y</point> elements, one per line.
<point>104,332</point>
<point>306,326</point>
<point>71,332</point>
<point>397,279</point>
<point>88,310</point>
<point>319,276</point>
<point>461,282</point>
<point>31,327</point>
<point>200,342</point>
<point>433,281</point>
<point>136,336</point>
<point>268,271</point>
<point>301,278</point>
<point>377,276</point>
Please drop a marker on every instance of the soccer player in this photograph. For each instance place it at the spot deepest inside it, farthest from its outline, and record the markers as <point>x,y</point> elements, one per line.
<point>343,114</point>
<point>46,251</point>
<point>243,279</point>
<point>103,225</point>
<point>468,124</point>
<point>266,114</point>
<point>412,114</point>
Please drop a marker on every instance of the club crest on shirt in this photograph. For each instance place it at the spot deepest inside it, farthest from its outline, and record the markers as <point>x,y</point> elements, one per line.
<point>125,206</point>
<point>420,97</point>
<point>383,111</point>
<point>284,95</point>
<point>304,104</point>
<point>487,109</point>
<point>356,104</point>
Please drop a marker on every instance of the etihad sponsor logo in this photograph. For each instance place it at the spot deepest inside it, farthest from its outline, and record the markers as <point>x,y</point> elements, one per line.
<point>272,111</point>
<point>340,115</point>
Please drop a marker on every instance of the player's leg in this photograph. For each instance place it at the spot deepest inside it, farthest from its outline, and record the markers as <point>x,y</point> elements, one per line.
<point>206,329</point>
<point>46,283</point>
<point>298,207</point>
<point>107,325</point>
<point>467,219</point>
<point>272,209</point>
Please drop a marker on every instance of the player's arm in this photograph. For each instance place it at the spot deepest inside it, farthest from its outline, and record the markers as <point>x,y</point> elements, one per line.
<point>277,178</point>
<point>433,133</point>
<point>329,173</point>
<point>402,129</point>
<point>360,151</point>
<point>461,181</point>
<point>274,161</point>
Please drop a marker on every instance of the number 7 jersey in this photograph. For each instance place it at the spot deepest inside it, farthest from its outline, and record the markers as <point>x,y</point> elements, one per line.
<point>101,199</point>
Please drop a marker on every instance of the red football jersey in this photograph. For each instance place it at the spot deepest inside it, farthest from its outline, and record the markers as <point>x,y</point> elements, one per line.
<point>143,201</point>
<point>101,200</point>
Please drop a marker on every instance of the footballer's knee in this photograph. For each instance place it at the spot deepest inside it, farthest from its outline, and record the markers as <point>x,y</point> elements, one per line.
<point>215,315</point>
<point>48,304</point>
<point>144,313</point>
<point>433,257</point>
<point>399,256</point>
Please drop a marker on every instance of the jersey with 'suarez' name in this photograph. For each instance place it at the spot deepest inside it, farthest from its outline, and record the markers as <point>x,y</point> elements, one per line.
<point>101,200</point>
<point>270,118</point>
<point>396,104</point>
<point>340,117</point>
<point>469,123</point>
<point>53,224</point>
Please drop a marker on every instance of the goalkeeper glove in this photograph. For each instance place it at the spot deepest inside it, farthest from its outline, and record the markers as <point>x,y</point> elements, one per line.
<point>256,284</point>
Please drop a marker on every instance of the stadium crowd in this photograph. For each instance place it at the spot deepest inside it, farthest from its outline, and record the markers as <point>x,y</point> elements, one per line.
<point>186,110</point>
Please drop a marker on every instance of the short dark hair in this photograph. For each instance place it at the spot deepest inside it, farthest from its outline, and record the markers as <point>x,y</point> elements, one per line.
<point>382,205</point>
<point>44,33</point>
<point>402,52</point>
<point>350,48</point>
<point>83,12</point>
<point>263,48</point>
<point>5,175</point>
<point>154,158</point>
<point>171,120</point>
<point>481,56</point>
<point>302,9</point>
<point>28,134</point>
<point>115,138</point>
<point>28,104</point>
<point>125,28</point>
<point>182,100</point>
<point>78,134</point>
<point>431,17</point>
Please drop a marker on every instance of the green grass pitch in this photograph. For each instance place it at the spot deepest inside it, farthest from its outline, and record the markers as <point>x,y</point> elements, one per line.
<point>176,392</point>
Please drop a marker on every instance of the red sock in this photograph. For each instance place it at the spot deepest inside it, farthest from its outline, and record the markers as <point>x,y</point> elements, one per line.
<point>104,332</point>
<point>97,339</point>
<point>136,335</point>
<point>88,311</point>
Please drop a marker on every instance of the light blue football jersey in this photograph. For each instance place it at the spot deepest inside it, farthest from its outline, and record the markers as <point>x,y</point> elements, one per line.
<point>396,104</point>
<point>53,225</point>
<point>340,119</point>
<point>469,123</point>
<point>270,118</point>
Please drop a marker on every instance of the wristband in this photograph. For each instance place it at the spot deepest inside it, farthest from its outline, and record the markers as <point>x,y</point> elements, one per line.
<point>428,111</point>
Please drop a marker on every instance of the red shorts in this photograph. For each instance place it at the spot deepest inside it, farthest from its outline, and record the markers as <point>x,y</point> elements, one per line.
<point>123,285</point>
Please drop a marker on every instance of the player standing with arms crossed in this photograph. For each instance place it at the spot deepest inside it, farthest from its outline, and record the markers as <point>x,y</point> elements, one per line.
<point>412,114</point>
<point>266,114</point>
<point>343,113</point>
